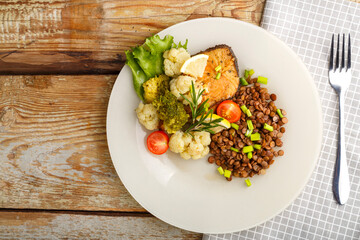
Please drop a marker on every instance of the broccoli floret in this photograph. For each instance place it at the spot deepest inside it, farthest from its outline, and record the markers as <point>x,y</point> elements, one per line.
<point>154,87</point>
<point>171,111</point>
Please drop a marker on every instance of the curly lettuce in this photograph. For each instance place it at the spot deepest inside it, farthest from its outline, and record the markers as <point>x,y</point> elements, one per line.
<point>146,61</point>
<point>139,76</point>
<point>179,45</point>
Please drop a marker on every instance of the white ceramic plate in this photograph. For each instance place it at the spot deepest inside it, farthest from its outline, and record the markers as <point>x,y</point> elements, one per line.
<point>190,194</point>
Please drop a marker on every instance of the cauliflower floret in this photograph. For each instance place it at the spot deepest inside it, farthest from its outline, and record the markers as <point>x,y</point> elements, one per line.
<point>173,60</point>
<point>148,116</point>
<point>190,147</point>
<point>182,84</point>
<point>203,138</point>
<point>176,143</point>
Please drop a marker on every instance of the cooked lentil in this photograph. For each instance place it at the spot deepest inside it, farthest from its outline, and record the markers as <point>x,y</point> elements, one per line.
<point>263,110</point>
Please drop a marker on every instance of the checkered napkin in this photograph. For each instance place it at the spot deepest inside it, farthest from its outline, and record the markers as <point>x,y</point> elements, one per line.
<point>306,26</point>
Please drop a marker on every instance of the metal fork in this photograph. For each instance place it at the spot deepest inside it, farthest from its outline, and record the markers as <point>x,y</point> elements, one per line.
<point>339,78</point>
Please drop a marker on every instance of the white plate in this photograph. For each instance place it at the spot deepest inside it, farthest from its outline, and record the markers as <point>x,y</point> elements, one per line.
<point>190,194</point>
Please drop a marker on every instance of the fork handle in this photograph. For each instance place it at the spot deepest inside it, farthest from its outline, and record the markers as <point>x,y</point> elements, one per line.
<point>341,184</point>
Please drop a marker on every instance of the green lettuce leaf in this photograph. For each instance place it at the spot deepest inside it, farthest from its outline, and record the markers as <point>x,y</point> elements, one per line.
<point>179,45</point>
<point>146,61</point>
<point>150,55</point>
<point>138,74</point>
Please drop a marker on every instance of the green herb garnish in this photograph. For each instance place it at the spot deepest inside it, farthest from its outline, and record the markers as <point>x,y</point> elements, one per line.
<point>246,74</point>
<point>247,149</point>
<point>200,113</point>
<point>262,80</point>
<point>234,149</point>
<point>257,146</point>
<point>268,127</point>
<point>218,75</point>
<point>244,108</point>
<point>243,82</point>
<point>248,113</point>
<point>279,113</point>
<point>227,173</point>
<point>248,133</point>
<point>250,124</point>
<point>235,126</point>
<point>255,137</point>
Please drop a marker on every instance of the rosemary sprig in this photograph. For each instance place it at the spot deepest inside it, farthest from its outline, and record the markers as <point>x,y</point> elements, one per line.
<point>199,113</point>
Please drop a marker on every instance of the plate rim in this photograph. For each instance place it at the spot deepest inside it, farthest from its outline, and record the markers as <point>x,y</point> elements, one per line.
<point>317,104</point>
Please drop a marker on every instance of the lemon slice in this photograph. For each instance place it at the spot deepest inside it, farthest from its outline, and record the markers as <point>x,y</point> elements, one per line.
<point>195,66</point>
<point>224,123</point>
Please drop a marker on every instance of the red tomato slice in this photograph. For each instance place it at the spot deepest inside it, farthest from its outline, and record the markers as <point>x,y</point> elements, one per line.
<point>158,142</point>
<point>229,110</point>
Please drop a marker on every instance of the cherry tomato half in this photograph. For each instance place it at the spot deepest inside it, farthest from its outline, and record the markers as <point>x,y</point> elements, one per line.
<point>229,110</point>
<point>158,142</point>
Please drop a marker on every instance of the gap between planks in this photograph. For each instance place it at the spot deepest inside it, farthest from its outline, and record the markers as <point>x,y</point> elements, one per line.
<point>90,37</point>
<point>45,225</point>
<point>78,212</point>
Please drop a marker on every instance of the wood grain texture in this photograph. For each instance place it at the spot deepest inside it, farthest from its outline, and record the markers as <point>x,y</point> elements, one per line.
<point>26,225</point>
<point>53,149</point>
<point>90,36</point>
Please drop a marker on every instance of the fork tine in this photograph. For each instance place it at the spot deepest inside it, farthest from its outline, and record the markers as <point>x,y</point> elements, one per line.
<point>349,55</point>
<point>337,53</point>
<point>343,54</point>
<point>331,60</point>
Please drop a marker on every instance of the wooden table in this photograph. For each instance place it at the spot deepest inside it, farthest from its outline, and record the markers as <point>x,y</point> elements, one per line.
<point>58,62</point>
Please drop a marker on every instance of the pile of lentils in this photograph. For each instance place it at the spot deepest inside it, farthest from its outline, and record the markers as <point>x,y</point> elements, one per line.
<point>263,110</point>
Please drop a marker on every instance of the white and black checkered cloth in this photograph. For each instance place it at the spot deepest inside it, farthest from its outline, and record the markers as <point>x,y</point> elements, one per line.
<point>307,26</point>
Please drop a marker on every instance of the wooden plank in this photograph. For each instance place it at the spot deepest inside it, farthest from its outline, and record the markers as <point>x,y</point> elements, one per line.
<point>44,225</point>
<point>53,149</point>
<point>90,36</point>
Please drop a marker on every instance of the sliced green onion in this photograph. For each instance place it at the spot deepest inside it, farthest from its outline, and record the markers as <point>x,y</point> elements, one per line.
<point>257,146</point>
<point>255,137</point>
<point>218,75</point>
<point>279,113</point>
<point>206,106</point>
<point>247,149</point>
<point>218,68</point>
<point>250,124</point>
<point>234,149</point>
<point>268,127</point>
<point>248,113</point>
<point>221,170</point>
<point>262,80</point>
<point>244,108</point>
<point>249,155</point>
<point>227,173</point>
<point>243,82</point>
<point>235,126</point>
<point>248,133</point>
<point>251,72</point>
<point>248,183</point>
<point>246,74</point>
